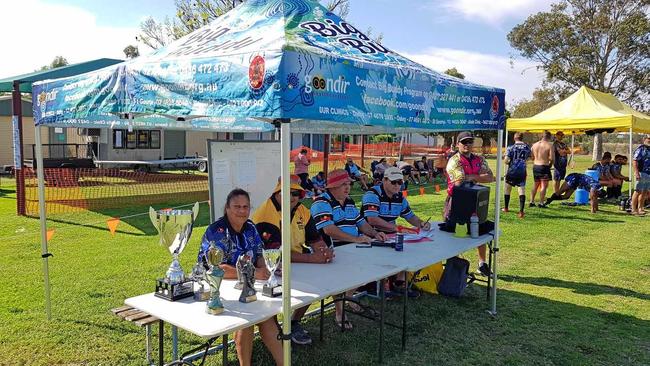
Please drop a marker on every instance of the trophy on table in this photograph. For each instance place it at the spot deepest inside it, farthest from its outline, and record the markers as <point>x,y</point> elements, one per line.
<point>272,259</point>
<point>214,276</point>
<point>246,279</point>
<point>175,229</point>
<point>202,292</point>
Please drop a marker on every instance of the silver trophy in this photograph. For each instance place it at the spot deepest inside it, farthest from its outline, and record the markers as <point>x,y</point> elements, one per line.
<point>175,229</point>
<point>272,259</point>
<point>201,290</point>
<point>246,274</point>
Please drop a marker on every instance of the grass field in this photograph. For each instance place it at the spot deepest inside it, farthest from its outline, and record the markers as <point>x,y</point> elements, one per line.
<point>574,289</point>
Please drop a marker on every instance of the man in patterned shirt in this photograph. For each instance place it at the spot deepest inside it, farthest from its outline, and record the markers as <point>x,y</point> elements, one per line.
<point>605,174</point>
<point>463,166</point>
<point>516,157</point>
<point>641,165</point>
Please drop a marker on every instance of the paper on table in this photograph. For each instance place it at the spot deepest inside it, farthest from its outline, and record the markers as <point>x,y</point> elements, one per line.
<point>421,235</point>
<point>221,172</point>
<point>247,168</point>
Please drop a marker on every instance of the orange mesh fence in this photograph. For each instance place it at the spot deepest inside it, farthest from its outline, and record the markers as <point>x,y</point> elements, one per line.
<point>69,190</point>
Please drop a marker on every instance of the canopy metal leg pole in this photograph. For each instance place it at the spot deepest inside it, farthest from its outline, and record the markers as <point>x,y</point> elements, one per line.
<point>497,217</point>
<point>573,141</point>
<point>629,168</point>
<point>41,212</point>
<point>286,239</point>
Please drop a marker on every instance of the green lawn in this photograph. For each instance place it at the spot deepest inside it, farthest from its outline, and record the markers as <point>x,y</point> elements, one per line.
<point>574,290</point>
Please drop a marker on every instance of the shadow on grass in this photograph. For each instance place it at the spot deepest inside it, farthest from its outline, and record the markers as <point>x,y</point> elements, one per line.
<point>595,217</point>
<point>527,330</point>
<point>577,287</point>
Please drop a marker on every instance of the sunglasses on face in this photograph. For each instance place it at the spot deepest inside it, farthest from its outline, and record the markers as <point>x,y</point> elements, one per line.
<point>296,194</point>
<point>467,142</point>
<point>398,182</point>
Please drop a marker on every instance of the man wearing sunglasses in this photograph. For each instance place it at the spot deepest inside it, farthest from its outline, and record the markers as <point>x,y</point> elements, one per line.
<point>462,167</point>
<point>384,203</point>
<point>307,246</point>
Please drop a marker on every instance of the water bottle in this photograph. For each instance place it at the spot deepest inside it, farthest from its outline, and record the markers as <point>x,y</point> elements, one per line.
<point>399,242</point>
<point>473,226</point>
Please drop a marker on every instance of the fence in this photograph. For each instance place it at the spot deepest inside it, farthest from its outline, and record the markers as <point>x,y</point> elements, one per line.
<point>69,190</point>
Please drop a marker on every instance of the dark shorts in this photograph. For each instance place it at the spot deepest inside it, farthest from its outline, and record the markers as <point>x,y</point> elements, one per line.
<point>541,172</point>
<point>559,173</point>
<point>516,180</point>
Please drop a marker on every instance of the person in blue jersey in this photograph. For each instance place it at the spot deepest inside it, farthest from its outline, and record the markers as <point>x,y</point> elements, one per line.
<point>356,173</point>
<point>516,157</point>
<point>616,169</point>
<point>641,167</point>
<point>382,205</point>
<point>340,222</point>
<point>561,151</point>
<point>606,178</point>
<point>574,181</point>
<point>236,235</point>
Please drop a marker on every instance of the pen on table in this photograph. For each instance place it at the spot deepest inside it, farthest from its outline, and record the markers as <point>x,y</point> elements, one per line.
<point>426,222</point>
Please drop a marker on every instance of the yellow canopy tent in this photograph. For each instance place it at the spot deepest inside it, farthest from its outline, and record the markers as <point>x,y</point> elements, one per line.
<point>586,110</point>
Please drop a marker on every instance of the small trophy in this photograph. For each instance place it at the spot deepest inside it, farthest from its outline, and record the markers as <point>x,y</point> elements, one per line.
<point>201,293</point>
<point>175,229</point>
<point>214,276</point>
<point>272,258</point>
<point>246,278</point>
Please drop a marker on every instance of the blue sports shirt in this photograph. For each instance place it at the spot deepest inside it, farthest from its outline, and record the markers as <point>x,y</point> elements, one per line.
<point>377,203</point>
<point>328,211</point>
<point>233,243</point>
<point>518,153</point>
<point>642,158</point>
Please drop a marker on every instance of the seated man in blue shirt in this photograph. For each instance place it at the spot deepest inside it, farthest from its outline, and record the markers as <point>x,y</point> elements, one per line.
<point>318,181</point>
<point>356,173</point>
<point>574,181</point>
<point>383,204</point>
<point>339,222</point>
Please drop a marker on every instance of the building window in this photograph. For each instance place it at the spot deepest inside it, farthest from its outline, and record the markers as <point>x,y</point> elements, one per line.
<point>137,139</point>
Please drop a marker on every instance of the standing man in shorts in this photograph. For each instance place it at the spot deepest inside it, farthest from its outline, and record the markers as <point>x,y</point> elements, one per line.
<point>641,166</point>
<point>542,161</point>
<point>516,156</point>
<point>561,152</point>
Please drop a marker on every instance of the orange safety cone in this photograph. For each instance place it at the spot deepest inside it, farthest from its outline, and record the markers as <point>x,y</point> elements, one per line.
<point>50,234</point>
<point>405,193</point>
<point>421,191</point>
<point>437,188</point>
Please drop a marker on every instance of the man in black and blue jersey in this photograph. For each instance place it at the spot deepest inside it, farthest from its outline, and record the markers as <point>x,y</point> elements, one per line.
<point>516,157</point>
<point>574,181</point>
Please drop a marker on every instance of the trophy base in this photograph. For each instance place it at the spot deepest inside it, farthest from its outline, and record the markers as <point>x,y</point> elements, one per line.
<point>215,311</point>
<point>247,299</point>
<point>201,295</point>
<point>173,292</point>
<point>271,291</point>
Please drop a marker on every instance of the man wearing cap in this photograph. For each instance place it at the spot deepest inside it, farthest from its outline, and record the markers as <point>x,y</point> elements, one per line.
<point>306,243</point>
<point>641,166</point>
<point>560,162</point>
<point>464,166</point>
<point>340,222</point>
<point>384,203</point>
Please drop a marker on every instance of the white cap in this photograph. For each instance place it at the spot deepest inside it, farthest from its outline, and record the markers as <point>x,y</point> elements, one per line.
<point>393,174</point>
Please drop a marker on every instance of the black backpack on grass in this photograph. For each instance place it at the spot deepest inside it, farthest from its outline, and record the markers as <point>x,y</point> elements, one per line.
<point>454,277</point>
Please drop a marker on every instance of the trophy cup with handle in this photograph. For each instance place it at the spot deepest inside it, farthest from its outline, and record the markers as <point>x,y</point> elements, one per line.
<point>272,259</point>
<point>214,276</point>
<point>175,229</point>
